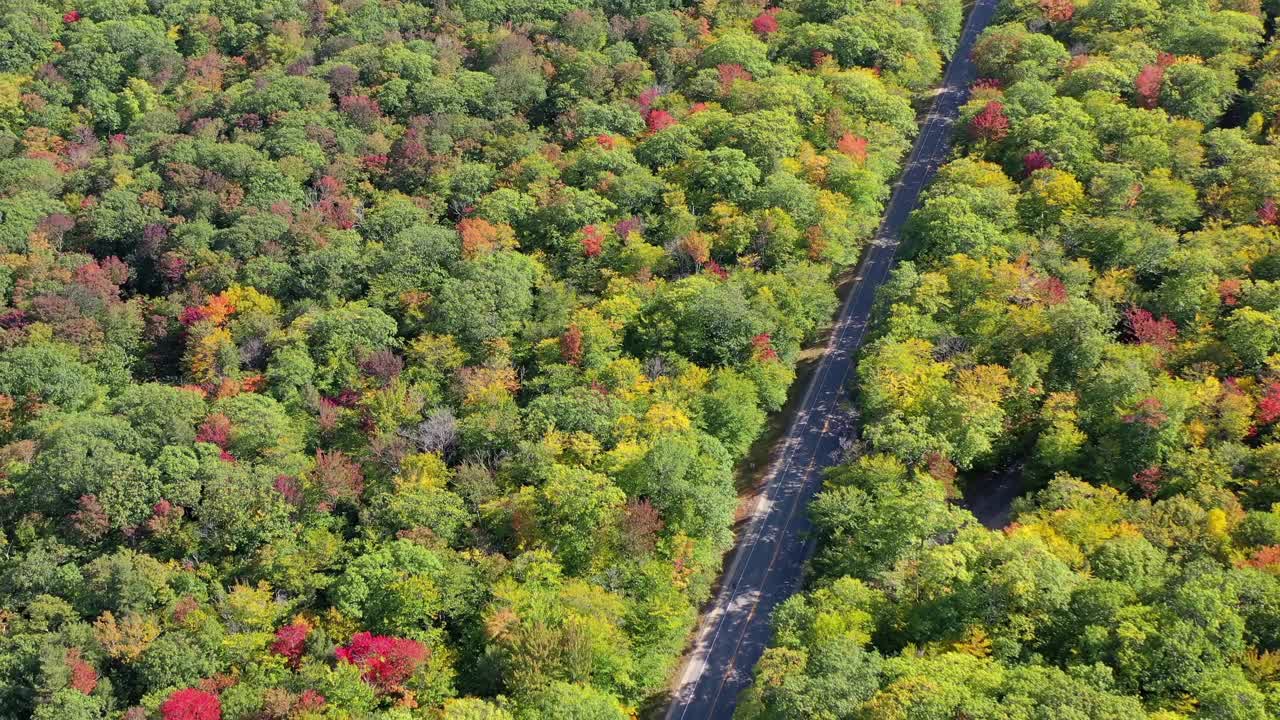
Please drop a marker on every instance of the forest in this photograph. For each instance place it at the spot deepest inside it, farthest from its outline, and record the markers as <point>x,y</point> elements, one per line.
<point>1090,301</point>
<point>392,359</point>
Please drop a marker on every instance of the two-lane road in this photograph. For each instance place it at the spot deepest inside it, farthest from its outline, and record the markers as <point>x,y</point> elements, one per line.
<point>768,562</point>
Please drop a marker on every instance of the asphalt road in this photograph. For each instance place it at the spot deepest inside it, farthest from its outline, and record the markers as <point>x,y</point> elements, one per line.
<point>767,564</point>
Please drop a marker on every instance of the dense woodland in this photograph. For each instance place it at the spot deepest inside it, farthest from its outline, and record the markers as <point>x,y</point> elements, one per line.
<point>1092,303</point>
<point>390,359</point>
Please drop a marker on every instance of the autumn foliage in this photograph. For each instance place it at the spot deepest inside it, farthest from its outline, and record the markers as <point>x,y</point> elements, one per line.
<point>1036,160</point>
<point>1149,330</point>
<point>1147,85</point>
<point>387,662</point>
<point>191,704</point>
<point>1058,11</point>
<point>853,146</point>
<point>592,241</point>
<point>1269,213</point>
<point>991,123</point>
<point>766,22</point>
<point>290,641</point>
<point>83,675</point>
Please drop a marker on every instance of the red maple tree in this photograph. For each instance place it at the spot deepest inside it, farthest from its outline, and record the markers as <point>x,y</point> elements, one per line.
<point>766,22</point>
<point>1036,160</point>
<point>571,345</point>
<point>853,146</point>
<point>90,519</point>
<point>1051,290</point>
<point>592,241</point>
<point>659,120</point>
<point>762,345</point>
<point>216,430</point>
<point>1150,331</point>
<point>1148,481</point>
<point>83,676</point>
<point>1229,291</point>
<point>338,476</point>
<point>646,98</point>
<point>290,641</point>
<point>731,73</point>
<point>990,123</point>
<point>191,704</point>
<point>1269,214</point>
<point>1269,404</point>
<point>1057,11</point>
<point>1264,557</point>
<point>387,662</point>
<point>1148,83</point>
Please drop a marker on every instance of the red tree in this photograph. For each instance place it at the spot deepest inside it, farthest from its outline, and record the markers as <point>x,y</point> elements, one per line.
<point>83,677</point>
<point>338,210</point>
<point>623,228</point>
<point>659,120</point>
<point>290,641</point>
<point>1051,290</point>
<point>853,146</point>
<point>731,73</point>
<point>164,515</point>
<point>191,704</point>
<point>1149,412</point>
<point>387,662</point>
<point>1147,85</point>
<point>1148,481</point>
<point>942,469</point>
<point>310,700</point>
<point>1264,557</point>
<point>338,476</point>
<point>1149,331</point>
<point>640,526</point>
<point>90,520</point>
<point>991,123</point>
<point>646,98</point>
<point>216,429</point>
<point>592,241</point>
<point>288,489</point>
<point>363,111</point>
<point>1057,11</point>
<point>479,236</point>
<point>1036,160</point>
<point>382,365</point>
<point>766,22</point>
<point>191,314</point>
<point>1229,291</point>
<point>1269,404</point>
<point>571,345</point>
<point>762,346</point>
<point>1269,214</point>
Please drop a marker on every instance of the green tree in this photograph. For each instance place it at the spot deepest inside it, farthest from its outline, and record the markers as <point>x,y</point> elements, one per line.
<point>874,513</point>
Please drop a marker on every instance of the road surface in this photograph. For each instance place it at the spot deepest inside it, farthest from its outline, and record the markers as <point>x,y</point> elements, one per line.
<point>767,565</point>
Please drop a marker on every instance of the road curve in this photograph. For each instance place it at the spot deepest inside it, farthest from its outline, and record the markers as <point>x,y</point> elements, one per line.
<point>767,564</point>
